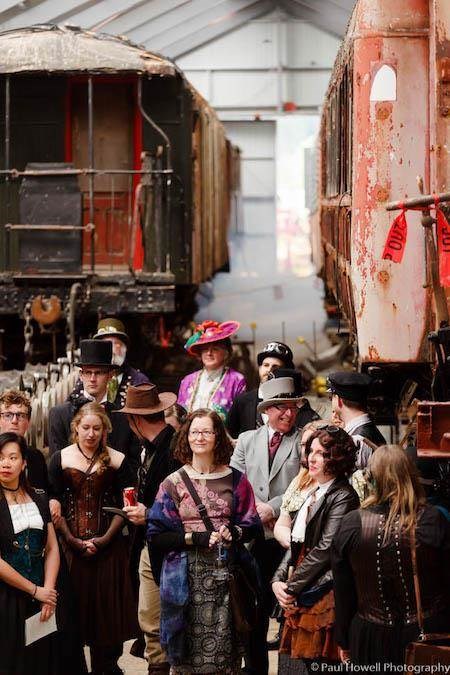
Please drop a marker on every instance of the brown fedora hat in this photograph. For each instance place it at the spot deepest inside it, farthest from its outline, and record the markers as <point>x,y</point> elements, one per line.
<point>145,400</point>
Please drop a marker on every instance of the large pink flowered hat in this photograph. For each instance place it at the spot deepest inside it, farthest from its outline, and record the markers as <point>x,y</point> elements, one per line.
<point>210,331</point>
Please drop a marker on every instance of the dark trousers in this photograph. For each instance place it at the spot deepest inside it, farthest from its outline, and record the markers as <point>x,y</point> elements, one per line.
<point>268,554</point>
<point>104,659</point>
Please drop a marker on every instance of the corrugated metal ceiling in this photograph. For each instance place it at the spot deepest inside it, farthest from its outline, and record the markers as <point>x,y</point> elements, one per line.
<point>171,27</point>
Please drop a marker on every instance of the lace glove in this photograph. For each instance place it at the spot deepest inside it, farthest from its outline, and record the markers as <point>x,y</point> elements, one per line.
<point>113,530</point>
<point>74,543</point>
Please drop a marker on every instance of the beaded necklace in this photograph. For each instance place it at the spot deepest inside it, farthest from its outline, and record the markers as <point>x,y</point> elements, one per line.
<point>213,390</point>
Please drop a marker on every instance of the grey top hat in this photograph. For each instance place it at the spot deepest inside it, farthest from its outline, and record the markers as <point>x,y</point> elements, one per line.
<point>95,353</point>
<point>278,390</point>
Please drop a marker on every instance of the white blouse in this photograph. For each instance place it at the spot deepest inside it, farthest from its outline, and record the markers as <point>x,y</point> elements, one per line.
<point>25,516</point>
<point>299,529</point>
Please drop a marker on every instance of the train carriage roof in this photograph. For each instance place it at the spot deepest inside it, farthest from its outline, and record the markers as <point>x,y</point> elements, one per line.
<point>56,49</point>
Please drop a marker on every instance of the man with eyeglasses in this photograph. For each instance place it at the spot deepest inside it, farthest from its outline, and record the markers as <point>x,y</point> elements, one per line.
<point>96,371</point>
<point>243,415</point>
<point>269,457</point>
<point>15,413</point>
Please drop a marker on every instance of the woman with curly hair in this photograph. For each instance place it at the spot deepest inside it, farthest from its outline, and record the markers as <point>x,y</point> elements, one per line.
<point>376,613</point>
<point>202,516</point>
<point>85,477</point>
<point>303,582</point>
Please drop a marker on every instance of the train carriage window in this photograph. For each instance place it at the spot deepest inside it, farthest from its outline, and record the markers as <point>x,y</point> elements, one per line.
<point>338,136</point>
<point>384,85</point>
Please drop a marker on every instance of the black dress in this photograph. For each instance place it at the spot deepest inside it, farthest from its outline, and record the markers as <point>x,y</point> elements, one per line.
<point>57,653</point>
<point>376,615</point>
<point>107,608</point>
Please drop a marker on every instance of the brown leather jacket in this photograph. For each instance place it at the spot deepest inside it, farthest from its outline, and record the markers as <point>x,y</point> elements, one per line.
<point>375,580</point>
<point>323,522</point>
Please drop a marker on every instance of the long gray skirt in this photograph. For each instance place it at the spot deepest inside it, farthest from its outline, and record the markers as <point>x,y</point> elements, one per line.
<point>289,666</point>
<point>211,644</point>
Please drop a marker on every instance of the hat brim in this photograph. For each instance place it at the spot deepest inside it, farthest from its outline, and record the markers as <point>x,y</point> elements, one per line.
<point>349,396</point>
<point>288,362</point>
<point>122,336</point>
<point>111,366</point>
<point>229,329</point>
<point>167,400</point>
<point>276,401</point>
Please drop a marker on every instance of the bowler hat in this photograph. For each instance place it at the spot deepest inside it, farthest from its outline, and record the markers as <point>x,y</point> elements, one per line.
<point>95,353</point>
<point>111,327</point>
<point>277,350</point>
<point>146,400</point>
<point>276,391</point>
<point>350,385</point>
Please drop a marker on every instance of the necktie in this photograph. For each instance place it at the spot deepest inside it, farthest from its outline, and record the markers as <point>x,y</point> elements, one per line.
<point>274,445</point>
<point>312,501</point>
<point>112,388</point>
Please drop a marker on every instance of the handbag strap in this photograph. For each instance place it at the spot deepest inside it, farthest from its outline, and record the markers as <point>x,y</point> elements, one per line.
<point>201,508</point>
<point>416,582</point>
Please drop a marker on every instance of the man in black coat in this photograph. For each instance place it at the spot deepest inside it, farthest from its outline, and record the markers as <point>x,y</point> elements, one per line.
<point>349,392</point>
<point>144,408</point>
<point>113,330</point>
<point>15,413</point>
<point>243,415</point>
<point>96,371</point>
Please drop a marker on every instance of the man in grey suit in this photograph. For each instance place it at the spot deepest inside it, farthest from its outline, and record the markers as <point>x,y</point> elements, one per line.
<point>269,457</point>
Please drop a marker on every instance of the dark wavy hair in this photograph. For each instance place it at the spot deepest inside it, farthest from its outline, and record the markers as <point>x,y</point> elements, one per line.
<point>223,448</point>
<point>11,437</point>
<point>339,451</point>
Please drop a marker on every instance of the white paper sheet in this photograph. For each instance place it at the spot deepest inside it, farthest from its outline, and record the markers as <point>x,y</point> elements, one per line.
<point>35,629</point>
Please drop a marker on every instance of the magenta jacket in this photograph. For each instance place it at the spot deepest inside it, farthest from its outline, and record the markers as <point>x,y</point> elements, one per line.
<point>231,384</point>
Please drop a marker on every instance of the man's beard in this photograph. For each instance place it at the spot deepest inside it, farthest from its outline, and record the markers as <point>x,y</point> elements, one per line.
<point>118,359</point>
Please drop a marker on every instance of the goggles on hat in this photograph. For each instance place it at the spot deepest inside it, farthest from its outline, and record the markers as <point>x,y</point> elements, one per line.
<point>277,348</point>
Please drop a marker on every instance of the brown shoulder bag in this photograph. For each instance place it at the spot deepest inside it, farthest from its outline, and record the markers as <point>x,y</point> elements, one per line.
<point>429,648</point>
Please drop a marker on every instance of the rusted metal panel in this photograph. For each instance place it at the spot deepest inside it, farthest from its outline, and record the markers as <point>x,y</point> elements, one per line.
<point>57,49</point>
<point>386,148</point>
<point>433,424</point>
<point>391,150</point>
<point>439,95</point>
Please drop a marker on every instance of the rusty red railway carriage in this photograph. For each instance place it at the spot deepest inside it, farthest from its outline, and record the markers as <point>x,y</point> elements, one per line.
<point>385,121</point>
<point>116,179</point>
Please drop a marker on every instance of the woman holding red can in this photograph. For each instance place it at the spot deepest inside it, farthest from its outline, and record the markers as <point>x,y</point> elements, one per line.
<point>85,477</point>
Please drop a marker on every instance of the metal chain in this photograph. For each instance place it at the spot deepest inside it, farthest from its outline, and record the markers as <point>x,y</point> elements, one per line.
<point>28,331</point>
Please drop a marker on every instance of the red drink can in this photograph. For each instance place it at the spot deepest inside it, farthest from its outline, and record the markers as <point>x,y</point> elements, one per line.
<point>129,496</point>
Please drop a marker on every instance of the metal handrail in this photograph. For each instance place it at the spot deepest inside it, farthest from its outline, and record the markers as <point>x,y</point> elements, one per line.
<point>15,173</point>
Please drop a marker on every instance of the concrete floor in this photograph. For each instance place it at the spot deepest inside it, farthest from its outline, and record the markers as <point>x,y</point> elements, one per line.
<point>134,666</point>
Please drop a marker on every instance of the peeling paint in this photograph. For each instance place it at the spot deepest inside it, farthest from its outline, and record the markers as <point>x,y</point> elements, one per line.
<point>373,353</point>
<point>384,277</point>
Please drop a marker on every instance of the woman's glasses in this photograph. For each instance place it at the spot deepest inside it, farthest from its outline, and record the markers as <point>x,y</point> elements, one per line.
<point>207,433</point>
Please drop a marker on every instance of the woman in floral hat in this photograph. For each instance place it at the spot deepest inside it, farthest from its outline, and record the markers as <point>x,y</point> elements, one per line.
<point>216,385</point>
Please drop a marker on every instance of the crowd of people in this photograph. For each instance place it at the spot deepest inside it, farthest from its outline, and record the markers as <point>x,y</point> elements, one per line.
<point>185,522</point>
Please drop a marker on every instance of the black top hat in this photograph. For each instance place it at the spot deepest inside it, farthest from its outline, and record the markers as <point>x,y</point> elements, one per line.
<point>351,386</point>
<point>95,353</point>
<point>277,350</point>
<point>299,384</point>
